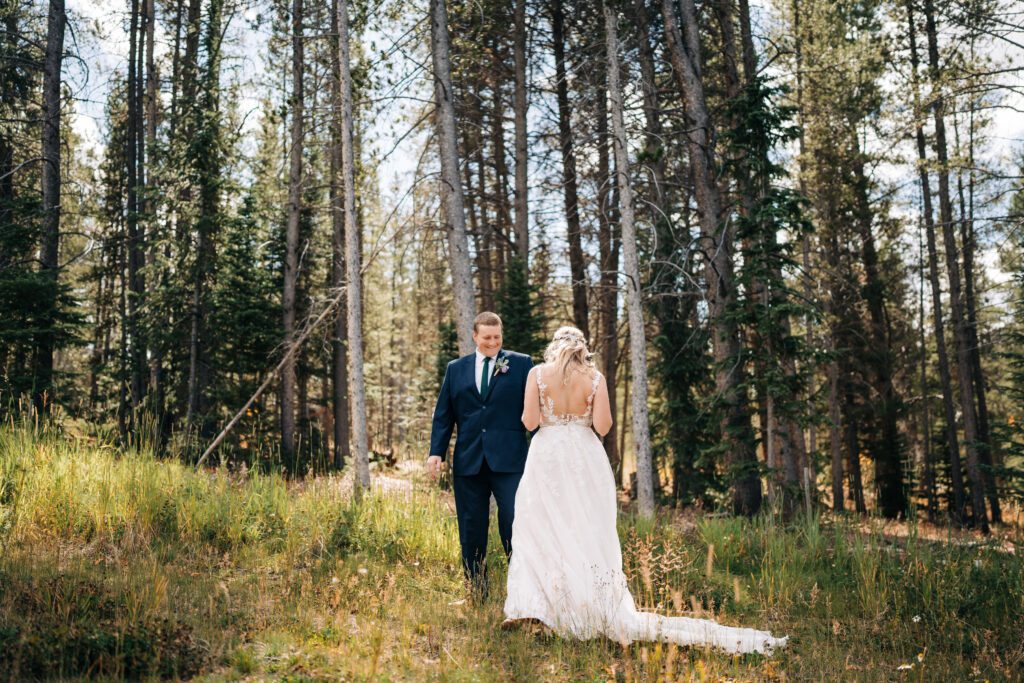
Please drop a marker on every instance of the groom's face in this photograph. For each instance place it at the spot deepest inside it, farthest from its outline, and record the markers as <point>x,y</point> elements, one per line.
<point>488,339</point>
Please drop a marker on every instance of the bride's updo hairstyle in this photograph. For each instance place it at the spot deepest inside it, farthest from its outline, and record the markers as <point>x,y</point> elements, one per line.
<point>568,352</point>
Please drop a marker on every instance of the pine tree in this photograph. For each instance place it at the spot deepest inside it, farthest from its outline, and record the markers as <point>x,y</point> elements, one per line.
<point>1011,431</point>
<point>519,306</point>
<point>445,351</point>
<point>769,301</point>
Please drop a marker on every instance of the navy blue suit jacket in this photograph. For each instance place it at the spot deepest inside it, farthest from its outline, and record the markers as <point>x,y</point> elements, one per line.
<point>490,428</point>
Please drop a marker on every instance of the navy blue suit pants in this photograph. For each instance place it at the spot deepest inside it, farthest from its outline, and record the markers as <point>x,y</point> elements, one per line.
<point>473,506</point>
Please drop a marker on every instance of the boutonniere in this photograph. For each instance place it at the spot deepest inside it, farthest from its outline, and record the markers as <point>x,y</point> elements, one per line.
<point>500,365</point>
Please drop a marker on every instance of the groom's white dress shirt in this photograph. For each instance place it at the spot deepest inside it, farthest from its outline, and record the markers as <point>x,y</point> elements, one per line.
<point>480,367</point>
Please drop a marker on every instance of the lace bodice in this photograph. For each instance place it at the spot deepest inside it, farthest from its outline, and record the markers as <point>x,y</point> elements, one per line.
<point>548,418</point>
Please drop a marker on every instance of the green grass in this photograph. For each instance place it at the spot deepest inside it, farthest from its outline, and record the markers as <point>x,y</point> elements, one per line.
<point>118,564</point>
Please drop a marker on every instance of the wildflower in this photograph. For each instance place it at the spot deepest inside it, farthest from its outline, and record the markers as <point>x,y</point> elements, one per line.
<point>917,618</point>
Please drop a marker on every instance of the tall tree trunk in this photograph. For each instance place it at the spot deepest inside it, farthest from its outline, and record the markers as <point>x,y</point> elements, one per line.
<point>357,383</point>
<point>608,251</point>
<point>474,207</point>
<point>207,163</point>
<point>122,354</point>
<point>783,437</point>
<point>96,356</point>
<point>634,304</point>
<point>889,479</point>
<point>339,340</point>
<point>519,110</point>
<point>835,433</point>
<point>850,413</point>
<point>187,115</point>
<point>7,100</point>
<point>808,285</point>
<point>960,336</point>
<point>945,379</point>
<point>504,223</point>
<point>156,372</point>
<point>451,185</point>
<point>927,462</point>
<point>654,134</point>
<point>986,444</point>
<point>49,252</point>
<point>716,236</point>
<point>291,263</point>
<point>577,266</point>
<point>190,62</point>
<point>135,155</point>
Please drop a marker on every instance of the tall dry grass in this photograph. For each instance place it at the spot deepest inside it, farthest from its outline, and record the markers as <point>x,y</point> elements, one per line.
<point>118,563</point>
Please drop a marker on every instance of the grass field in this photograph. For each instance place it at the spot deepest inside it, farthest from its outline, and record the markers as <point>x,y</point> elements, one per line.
<point>117,564</point>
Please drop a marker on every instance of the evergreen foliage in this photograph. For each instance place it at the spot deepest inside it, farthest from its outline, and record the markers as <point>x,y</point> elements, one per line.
<point>522,318</point>
<point>779,360</point>
<point>446,351</point>
<point>1010,432</point>
<point>243,301</point>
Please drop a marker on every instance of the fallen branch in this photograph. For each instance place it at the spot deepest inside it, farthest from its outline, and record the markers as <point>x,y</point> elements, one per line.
<point>296,345</point>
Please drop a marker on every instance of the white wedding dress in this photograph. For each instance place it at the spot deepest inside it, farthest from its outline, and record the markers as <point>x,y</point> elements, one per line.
<point>566,565</point>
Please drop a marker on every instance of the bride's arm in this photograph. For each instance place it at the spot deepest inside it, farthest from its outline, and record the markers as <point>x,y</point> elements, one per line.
<point>531,402</point>
<point>602,409</point>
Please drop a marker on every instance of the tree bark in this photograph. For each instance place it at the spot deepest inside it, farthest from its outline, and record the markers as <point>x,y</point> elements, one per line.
<point>519,107</point>
<point>291,263</point>
<point>852,442</point>
<point>958,511</point>
<point>716,236</point>
<point>986,445</point>
<point>339,340</point>
<point>357,383</point>
<point>960,336</point>
<point>7,99</point>
<point>889,479</point>
<point>502,236</point>
<point>50,181</point>
<point>156,371</point>
<point>451,185</point>
<point>654,152</point>
<point>608,251</point>
<point>634,304</point>
<point>134,156</point>
<point>927,462</point>
<point>189,84</point>
<point>577,265</point>
<point>835,434</point>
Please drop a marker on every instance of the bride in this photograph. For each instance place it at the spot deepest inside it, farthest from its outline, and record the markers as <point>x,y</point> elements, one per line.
<point>566,567</point>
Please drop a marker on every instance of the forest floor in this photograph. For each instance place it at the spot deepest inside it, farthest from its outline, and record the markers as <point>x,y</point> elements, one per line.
<point>119,564</point>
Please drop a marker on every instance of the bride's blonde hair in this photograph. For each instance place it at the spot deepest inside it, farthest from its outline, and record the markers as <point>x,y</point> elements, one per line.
<point>568,352</point>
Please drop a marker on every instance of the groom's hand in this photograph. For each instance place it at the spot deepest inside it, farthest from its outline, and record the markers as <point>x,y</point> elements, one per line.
<point>434,466</point>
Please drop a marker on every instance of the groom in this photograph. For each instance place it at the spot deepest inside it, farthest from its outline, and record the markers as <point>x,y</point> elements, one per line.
<point>482,395</point>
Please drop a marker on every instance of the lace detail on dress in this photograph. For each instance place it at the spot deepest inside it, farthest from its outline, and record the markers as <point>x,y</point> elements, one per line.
<point>548,418</point>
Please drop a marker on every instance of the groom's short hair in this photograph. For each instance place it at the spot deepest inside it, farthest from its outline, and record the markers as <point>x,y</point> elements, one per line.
<point>486,318</point>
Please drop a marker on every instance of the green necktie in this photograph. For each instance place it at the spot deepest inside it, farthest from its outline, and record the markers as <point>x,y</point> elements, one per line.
<point>486,376</point>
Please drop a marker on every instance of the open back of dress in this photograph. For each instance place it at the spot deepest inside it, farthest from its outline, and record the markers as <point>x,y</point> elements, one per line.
<point>569,400</point>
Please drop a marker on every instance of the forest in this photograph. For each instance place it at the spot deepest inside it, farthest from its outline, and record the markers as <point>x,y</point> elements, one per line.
<point>240,241</point>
